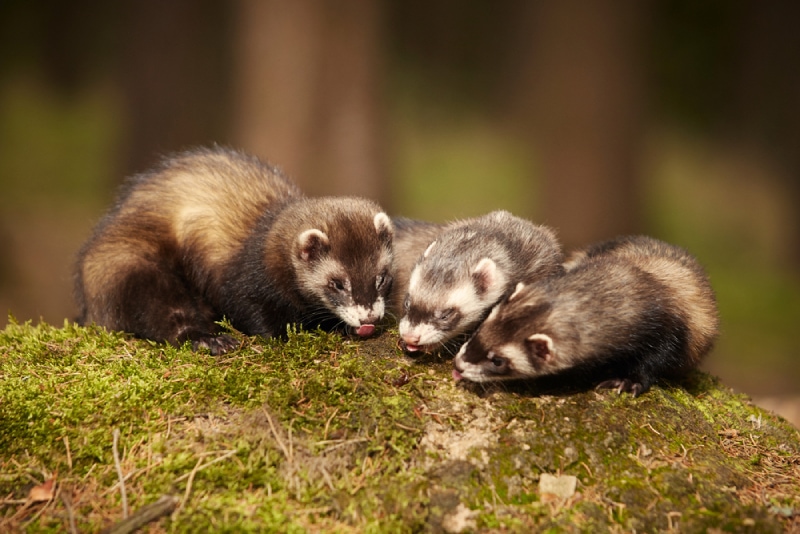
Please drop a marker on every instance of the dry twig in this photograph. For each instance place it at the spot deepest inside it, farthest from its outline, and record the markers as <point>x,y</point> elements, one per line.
<point>120,475</point>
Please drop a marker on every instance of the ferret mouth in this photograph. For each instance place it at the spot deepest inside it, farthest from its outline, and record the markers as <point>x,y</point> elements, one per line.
<point>457,376</point>
<point>365,330</point>
<point>410,347</point>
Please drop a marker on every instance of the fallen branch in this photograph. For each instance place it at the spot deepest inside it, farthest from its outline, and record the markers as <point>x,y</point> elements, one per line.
<point>146,514</point>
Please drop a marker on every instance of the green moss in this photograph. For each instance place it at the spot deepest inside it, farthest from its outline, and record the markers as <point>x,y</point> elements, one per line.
<point>323,433</point>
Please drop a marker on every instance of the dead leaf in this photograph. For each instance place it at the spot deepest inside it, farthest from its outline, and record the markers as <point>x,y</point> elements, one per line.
<point>42,492</point>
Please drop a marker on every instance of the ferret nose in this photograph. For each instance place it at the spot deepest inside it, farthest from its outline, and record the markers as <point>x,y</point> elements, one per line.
<point>372,319</point>
<point>411,339</point>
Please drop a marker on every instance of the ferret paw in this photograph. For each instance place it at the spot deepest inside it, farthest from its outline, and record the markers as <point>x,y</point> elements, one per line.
<point>216,344</point>
<point>623,385</point>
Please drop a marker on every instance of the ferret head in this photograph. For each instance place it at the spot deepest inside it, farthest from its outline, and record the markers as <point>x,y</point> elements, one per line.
<point>447,296</point>
<point>344,262</point>
<point>515,341</point>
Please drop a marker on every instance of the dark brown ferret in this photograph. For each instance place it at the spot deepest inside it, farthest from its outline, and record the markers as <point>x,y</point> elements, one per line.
<point>628,312</point>
<point>213,233</point>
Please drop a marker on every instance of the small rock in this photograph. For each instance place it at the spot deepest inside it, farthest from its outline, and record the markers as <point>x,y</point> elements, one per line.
<point>570,454</point>
<point>460,519</point>
<point>562,486</point>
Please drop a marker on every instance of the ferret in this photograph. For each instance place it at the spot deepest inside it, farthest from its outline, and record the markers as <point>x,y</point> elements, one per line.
<point>214,233</point>
<point>626,312</point>
<point>411,238</point>
<point>470,266</point>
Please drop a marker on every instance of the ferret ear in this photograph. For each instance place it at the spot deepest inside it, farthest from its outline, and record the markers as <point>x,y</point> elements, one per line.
<point>520,287</point>
<point>487,276</point>
<point>312,244</point>
<point>540,346</point>
<point>383,225</point>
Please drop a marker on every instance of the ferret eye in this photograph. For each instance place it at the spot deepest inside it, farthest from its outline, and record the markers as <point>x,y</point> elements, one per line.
<point>336,284</point>
<point>407,303</point>
<point>381,280</point>
<point>499,363</point>
<point>446,314</point>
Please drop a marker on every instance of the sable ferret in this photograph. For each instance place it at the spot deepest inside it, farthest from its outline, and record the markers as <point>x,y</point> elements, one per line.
<point>214,233</point>
<point>627,312</point>
<point>470,266</point>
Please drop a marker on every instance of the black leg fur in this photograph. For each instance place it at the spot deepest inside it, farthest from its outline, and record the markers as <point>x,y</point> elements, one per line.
<point>153,302</point>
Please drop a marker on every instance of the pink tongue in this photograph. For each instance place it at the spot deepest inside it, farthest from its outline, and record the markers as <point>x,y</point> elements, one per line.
<point>412,348</point>
<point>365,330</point>
<point>456,375</point>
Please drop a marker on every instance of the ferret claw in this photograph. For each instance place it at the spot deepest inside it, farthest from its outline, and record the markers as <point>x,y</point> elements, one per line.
<point>622,385</point>
<point>217,344</point>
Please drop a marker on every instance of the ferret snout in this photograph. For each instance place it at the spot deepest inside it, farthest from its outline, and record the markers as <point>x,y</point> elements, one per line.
<point>413,339</point>
<point>366,325</point>
<point>411,342</point>
<point>362,319</point>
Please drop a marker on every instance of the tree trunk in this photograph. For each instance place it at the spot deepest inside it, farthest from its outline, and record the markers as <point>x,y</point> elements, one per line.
<point>582,101</point>
<point>308,95</point>
<point>173,77</point>
<point>766,95</point>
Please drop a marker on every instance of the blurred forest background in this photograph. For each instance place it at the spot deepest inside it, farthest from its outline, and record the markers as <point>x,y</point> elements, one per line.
<point>677,118</point>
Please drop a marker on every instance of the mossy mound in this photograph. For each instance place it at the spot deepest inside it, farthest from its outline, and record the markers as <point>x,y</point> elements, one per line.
<point>323,433</point>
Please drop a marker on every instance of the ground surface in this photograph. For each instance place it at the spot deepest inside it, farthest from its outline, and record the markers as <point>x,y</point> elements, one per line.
<point>320,433</point>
